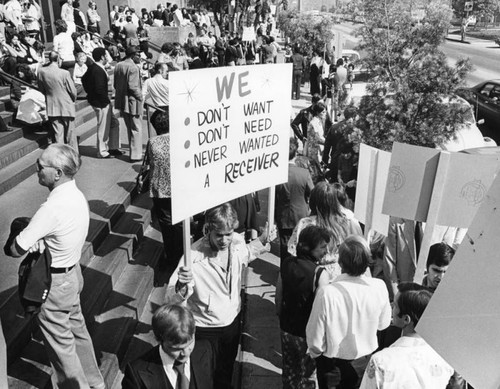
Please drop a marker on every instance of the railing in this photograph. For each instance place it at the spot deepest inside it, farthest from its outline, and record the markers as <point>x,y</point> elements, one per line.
<point>22,82</point>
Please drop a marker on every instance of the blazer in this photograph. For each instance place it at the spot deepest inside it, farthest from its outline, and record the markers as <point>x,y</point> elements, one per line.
<point>292,197</point>
<point>147,371</point>
<point>127,83</point>
<point>59,90</point>
<point>95,83</point>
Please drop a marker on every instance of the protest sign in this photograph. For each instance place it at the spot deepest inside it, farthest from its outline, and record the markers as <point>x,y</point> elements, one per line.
<point>248,34</point>
<point>462,319</point>
<point>373,169</point>
<point>410,182</point>
<point>229,134</point>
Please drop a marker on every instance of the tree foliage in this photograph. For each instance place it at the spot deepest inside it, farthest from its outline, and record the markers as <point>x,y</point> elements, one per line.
<point>410,94</point>
<point>310,30</point>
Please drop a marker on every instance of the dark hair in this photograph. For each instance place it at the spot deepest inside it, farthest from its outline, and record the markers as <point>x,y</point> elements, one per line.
<point>315,98</point>
<point>161,122</point>
<point>128,18</point>
<point>76,4</point>
<point>354,255</point>
<point>98,53</point>
<point>310,238</point>
<point>167,47</point>
<point>61,26</point>
<point>195,52</point>
<point>412,300</point>
<point>440,254</point>
<point>350,112</point>
<point>340,62</point>
<point>294,145</point>
<point>173,324</point>
<point>318,108</point>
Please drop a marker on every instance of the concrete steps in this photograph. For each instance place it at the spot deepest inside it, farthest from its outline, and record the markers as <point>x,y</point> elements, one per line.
<point>118,282</point>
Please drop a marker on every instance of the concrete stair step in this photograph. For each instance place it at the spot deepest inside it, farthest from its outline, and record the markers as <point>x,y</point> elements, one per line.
<point>4,91</point>
<point>18,148</point>
<point>10,136</point>
<point>118,283</point>
<point>19,154</point>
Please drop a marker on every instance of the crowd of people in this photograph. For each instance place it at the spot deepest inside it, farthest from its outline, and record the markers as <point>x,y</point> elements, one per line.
<point>335,289</point>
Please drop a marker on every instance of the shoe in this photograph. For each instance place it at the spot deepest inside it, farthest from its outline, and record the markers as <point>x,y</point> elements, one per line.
<point>135,160</point>
<point>105,156</point>
<point>115,152</point>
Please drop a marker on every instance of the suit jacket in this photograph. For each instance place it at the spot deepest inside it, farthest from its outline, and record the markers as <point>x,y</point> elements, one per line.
<point>95,83</point>
<point>292,197</point>
<point>127,83</point>
<point>147,371</point>
<point>59,89</point>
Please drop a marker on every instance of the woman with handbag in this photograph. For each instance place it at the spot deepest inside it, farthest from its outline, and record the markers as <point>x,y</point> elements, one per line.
<point>158,159</point>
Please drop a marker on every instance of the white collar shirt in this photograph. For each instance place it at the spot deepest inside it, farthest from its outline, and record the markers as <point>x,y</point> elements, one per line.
<point>168,366</point>
<point>63,222</point>
<point>346,316</point>
<point>214,295</point>
<point>409,363</point>
<point>156,88</point>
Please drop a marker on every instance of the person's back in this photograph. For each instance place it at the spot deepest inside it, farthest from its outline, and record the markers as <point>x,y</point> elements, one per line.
<point>350,336</point>
<point>408,363</point>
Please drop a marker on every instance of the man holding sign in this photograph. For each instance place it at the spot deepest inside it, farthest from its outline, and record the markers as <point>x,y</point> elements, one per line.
<point>212,286</point>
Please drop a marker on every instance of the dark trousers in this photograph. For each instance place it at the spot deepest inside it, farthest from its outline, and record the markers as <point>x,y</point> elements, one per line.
<point>297,78</point>
<point>171,234</point>
<point>225,342</point>
<point>328,366</point>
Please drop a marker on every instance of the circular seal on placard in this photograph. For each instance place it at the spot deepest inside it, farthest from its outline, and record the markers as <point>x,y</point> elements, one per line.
<point>473,192</point>
<point>396,179</point>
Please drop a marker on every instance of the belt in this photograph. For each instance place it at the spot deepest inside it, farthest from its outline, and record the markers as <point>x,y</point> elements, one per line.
<point>59,270</point>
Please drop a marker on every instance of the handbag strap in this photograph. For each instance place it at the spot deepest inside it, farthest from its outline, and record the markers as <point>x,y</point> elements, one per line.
<point>145,159</point>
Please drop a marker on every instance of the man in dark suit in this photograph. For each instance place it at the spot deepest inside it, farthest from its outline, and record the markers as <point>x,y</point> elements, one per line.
<point>176,363</point>
<point>128,99</point>
<point>95,83</point>
<point>60,95</point>
<point>292,199</point>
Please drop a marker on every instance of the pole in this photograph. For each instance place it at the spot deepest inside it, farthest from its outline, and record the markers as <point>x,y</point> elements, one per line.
<point>270,209</point>
<point>186,227</point>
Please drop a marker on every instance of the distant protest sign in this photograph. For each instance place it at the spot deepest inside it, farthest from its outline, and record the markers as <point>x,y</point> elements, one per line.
<point>229,134</point>
<point>373,170</point>
<point>462,319</point>
<point>248,34</point>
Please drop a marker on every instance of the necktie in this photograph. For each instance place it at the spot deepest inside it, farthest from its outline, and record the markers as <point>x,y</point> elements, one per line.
<point>182,380</point>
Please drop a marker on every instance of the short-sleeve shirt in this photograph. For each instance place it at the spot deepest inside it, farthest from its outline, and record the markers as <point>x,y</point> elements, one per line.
<point>63,222</point>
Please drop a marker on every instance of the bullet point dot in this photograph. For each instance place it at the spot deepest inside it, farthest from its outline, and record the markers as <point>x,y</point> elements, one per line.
<point>187,121</point>
<point>187,144</point>
<point>187,164</point>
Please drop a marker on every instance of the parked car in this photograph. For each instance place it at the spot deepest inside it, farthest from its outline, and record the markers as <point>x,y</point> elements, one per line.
<point>361,73</point>
<point>485,100</point>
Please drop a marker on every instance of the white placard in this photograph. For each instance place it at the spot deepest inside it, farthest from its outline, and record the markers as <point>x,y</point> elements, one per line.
<point>229,134</point>
<point>248,34</point>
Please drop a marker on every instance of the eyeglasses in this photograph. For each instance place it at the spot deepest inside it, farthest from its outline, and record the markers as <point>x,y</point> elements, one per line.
<point>40,167</point>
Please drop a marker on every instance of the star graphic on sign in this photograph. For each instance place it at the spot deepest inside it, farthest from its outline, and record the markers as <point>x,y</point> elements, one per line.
<point>189,92</point>
<point>266,81</point>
